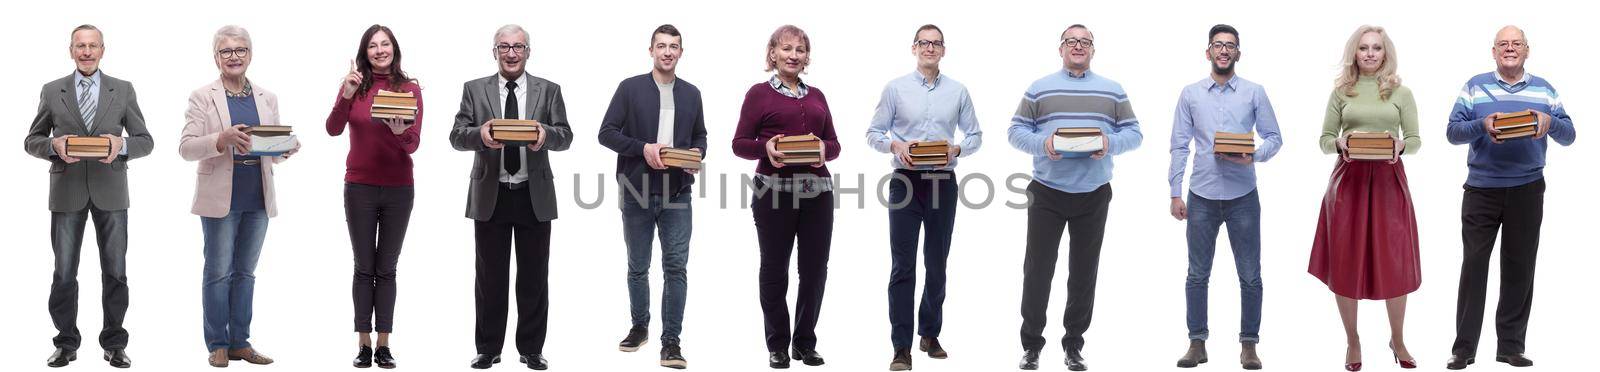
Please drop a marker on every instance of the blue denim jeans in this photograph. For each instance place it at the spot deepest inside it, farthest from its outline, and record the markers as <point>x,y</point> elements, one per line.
<point>672,219</point>
<point>1243,217</point>
<point>927,205</point>
<point>232,246</point>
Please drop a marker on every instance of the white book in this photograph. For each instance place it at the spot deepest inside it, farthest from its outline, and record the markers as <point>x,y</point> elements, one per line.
<point>272,145</point>
<point>1079,144</point>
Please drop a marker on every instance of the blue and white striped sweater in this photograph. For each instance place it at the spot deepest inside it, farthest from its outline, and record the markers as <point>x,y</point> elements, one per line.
<point>1064,101</point>
<point>1514,162</point>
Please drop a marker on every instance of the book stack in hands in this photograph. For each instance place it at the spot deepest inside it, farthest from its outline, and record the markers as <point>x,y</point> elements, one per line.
<point>1370,146</point>
<point>934,153</point>
<point>394,105</point>
<point>1234,143</point>
<point>803,149</point>
<point>514,132</point>
<point>270,140</point>
<point>88,147</point>
<point>1079,140</point>
<point>680,158</point>
<point>1516,125</point>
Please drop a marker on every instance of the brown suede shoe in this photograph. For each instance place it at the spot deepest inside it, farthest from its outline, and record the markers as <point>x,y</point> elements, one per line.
<point>219,358</point>
<point>249,355</point>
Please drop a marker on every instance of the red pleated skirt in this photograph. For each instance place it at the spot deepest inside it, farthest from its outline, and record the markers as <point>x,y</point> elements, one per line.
<point>1366,245</point>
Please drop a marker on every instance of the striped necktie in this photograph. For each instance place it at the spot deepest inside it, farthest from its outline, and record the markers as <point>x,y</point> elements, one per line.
<point>86,102</point>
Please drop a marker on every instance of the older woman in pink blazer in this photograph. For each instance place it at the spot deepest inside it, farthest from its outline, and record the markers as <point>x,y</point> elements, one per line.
<point>233,193</point>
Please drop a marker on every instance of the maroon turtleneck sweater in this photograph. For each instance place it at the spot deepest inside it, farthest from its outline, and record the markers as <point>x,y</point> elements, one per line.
<point>377,156</point>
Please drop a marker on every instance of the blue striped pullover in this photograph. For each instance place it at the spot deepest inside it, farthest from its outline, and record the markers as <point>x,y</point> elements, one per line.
<point>1061,100</point>
<point>1514,162</point>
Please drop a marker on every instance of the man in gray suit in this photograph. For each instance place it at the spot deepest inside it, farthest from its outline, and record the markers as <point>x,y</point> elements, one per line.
<point>88,103</point>
<point>512,196</point>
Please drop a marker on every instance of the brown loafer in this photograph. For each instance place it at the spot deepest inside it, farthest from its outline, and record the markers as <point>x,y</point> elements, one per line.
<point>249,355</point>
<point>219,358</point>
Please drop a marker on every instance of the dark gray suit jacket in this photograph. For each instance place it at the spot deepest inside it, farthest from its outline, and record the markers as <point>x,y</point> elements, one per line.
<point>480,102</point>
<point>75,186</point>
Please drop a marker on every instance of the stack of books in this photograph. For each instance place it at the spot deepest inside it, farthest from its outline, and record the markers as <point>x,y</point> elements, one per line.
<point>803,149</point>
<point>1080,141</point>
<point>1516,125</point>
<point>1370,146</point>
<point>680,158</point>
<point>934,153</point>
<point>394,105</point>
<point>514,132</point>
<point>88,147</point>
<point>271,140</point>
<point>1234,143</point>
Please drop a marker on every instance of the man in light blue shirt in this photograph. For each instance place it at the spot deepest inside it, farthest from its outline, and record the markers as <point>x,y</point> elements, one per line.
<point>1222,189</point>
<point>920,107</point>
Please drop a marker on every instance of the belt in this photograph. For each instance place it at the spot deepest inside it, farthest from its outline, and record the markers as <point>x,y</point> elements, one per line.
<point>247,162</point>
<point>514,186</point>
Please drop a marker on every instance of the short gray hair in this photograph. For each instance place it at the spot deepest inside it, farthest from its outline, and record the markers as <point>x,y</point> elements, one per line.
<point>86,27</point>
<point>231,32</point>
<point>509,29</point>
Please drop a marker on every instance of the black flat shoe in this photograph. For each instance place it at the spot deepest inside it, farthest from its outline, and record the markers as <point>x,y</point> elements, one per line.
<point>118,358</point>
<point>807,356</point>
<point>1459,362</point>
<point>1515,360</point>
<point>778,360</point>
<point>535,362</point>
<point>672,356</point>
<point>1030,360</point>
<point>1075,361</point>
<point>484,361</point>
<point>363,358</point>
<point>384,358</point>
<point>61,358</point>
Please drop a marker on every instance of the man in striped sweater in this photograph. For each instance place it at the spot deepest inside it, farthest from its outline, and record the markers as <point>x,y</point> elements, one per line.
<point>1070,190</point>
<point>1504,195</point>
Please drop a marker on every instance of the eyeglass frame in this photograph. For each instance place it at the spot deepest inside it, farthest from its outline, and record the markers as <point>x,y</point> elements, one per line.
<point>924,43</point>
<point>1224,46</point>
<point>240,53</point>
<point>1519,44</point>
<point>506,49</point>
<point>1073,42</point>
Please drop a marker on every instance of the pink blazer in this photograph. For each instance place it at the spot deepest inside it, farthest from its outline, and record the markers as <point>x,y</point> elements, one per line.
<point>206,117</point>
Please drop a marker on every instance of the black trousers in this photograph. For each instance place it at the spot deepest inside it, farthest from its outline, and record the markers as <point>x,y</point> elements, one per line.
<point>377,217</point>
<point>927,206</point>
<point>1516,213</point>
<point>1083,215</point>
<point>778,228</point>
<point>66,240</point>
<point>513,221</point>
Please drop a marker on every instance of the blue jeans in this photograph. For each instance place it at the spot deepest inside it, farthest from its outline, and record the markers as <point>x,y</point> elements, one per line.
<point>233,244</point>
<point>1243,217</point>
<point>671,218</point>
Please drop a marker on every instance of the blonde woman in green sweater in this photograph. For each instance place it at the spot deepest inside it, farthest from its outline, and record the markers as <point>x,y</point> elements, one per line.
<point>1366,243</point>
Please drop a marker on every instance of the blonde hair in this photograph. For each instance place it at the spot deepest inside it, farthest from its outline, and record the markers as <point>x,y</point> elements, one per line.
<point>788,31</point>
<point>1388,80</point>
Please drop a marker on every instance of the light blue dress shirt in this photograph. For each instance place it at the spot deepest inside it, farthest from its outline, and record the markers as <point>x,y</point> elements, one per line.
<point>911,109</point>
<point>1204,108</point>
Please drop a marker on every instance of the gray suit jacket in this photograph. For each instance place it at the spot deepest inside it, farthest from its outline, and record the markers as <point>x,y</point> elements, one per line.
<point>480,102</point>
<point>88,181</point>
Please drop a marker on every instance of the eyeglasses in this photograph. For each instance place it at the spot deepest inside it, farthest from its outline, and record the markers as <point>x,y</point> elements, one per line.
<point>1078,43</point>
<point>1224,47</point>
<point>86,46</point>
<point>234,53</point>
<point>509,48</point>
<point>1516,44</point>
<point>929,43</point>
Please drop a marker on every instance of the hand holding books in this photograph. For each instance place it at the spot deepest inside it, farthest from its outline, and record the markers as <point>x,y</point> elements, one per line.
<point>687,159</point>
<point>271,140</point>
<point>501,132</point>
<point>72,148</point>
<point>1505,126</point>
<point>1077,143</point>
<point>1371,146</point>
<point>801,149</point>
<point>394,105</point>
<point>1238,148</point>
<point>931,153</point>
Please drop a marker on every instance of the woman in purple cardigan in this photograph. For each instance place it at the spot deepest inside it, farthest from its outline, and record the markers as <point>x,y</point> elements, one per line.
<point>792,201</point>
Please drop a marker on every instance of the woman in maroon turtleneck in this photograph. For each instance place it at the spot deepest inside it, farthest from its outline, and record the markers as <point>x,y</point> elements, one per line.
<point>378,190</point>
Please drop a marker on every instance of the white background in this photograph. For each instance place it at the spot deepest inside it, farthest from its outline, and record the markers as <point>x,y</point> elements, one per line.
<point>302,49</point>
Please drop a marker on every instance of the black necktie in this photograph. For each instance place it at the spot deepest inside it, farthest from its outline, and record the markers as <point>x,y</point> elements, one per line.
<point>511,154</point>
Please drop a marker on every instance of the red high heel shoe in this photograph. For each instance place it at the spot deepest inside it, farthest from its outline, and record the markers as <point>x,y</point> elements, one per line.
<point>1406,364</point>
<point>1352,367</point>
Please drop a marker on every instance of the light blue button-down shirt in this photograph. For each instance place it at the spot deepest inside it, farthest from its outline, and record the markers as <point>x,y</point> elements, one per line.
<point>911,110</point>
<point>1204,108</point>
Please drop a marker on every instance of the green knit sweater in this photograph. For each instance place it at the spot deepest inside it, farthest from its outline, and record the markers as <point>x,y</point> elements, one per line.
<point>1367,112</point>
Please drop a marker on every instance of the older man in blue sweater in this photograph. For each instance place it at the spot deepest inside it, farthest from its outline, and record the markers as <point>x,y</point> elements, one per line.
<point>1504,195</point>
